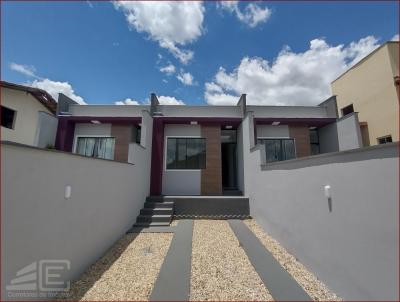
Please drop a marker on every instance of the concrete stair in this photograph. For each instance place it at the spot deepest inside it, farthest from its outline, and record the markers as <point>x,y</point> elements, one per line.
<point>156,212</point>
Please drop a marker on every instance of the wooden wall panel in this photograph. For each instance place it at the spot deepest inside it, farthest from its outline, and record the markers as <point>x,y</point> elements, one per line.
<point>211,176</point>
<point>301,135</point>
<point>122,134</point>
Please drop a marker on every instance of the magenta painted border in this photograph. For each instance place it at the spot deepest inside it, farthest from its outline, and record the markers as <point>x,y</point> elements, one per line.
<point>157,153</point>
<point>308,121</point>
<point>102,119</point>
<point>66,127</point>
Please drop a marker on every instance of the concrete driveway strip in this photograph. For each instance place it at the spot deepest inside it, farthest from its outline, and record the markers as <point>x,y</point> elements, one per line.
<point>280,283</point>
<point>173,282</point>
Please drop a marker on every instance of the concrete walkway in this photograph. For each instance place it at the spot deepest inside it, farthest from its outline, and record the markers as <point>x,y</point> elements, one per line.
<point>279,282</point>
<point>173,282</point>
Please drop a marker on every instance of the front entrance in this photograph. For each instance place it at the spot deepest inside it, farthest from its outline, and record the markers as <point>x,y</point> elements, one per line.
<point>228,160</point>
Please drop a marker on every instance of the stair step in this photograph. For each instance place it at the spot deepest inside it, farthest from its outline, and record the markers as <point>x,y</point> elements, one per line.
<point>156,211</point>
<point>152,205</point>
<point>154,218</point>
<point>143,224</point>
<point>154,198</point>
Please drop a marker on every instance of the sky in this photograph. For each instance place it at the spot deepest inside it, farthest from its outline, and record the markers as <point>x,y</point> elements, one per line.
<point>193,53</point>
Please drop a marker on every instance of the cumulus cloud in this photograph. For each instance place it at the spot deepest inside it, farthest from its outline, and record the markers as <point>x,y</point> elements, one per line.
<point>172,24</point>
<point>54,88</point>
<point>169,69</point>
<point>185,78</point>
<point>291,79</point>
<point>29,71</point>
<point>395,38</point>
<point>252,15</point>
<point>127,101</point>
<point>169,100</point>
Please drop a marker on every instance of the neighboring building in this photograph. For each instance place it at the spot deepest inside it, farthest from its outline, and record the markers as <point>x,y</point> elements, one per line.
<point>198,150</point>
<point>27,115</point>
<point>370,88</point>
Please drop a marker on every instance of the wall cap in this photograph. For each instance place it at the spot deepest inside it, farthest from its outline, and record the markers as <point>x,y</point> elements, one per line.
<point>9,143</point>
<point>333,154</point>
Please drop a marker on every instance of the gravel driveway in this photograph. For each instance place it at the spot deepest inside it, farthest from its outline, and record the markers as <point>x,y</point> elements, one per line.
<point>127,272</point>
<point>221,270</point>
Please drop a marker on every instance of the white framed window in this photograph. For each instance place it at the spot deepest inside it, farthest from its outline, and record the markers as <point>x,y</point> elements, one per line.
<point>95,146</point>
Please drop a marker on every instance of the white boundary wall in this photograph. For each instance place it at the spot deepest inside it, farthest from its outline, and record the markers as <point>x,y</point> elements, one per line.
<point>354,247</point>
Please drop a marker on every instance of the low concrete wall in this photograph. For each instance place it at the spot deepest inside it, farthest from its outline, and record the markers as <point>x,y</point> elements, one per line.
<point>351,241</point>
<point>39,223</point>
<point>217,207</point>
<point>348,131</point>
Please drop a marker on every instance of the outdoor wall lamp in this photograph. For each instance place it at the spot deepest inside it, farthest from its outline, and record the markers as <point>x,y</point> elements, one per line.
<point>328,195</point>
<point>67,192</point>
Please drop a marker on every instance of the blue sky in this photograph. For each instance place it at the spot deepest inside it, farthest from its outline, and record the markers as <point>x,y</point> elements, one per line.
<point>279,53</point>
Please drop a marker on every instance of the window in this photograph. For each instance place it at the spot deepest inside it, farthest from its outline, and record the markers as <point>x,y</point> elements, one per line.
<point>186,153</point>
<point>384,139</point>
<point>347,110</point>
<point>314,141</point>
<point>278,149</point>
<point>136,133</point>
<point>100,147</point>
<point>7,117</point>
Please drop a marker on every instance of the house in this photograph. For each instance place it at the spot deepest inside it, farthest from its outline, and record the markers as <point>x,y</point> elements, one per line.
<point>28,115</point>
<point>198,150</point>
<point>370,88</point>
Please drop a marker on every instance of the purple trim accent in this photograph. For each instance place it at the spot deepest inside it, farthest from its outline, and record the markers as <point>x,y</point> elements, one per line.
<point>284,121</point>
<point>103,119</point>
<point>66,127</point>
<point>157,152</point>
<point>157,156</point>
<point>65,135</point>
<point>203,120</point>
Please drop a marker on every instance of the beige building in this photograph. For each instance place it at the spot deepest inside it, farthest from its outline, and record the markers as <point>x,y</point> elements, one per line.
<point>369,88</point>
<point>27,115</point>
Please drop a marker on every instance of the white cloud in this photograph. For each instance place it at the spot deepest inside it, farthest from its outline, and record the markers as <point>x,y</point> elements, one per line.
<point>169,69</point>
<point>395,38</point>
<point>169,100</point>
<point>291,79</point>
<point>252,15</point>
<point>186,78</point>
<point>127,101</point>
<point>54,88</point>
<point>172,24</point>
<point>29,71</point>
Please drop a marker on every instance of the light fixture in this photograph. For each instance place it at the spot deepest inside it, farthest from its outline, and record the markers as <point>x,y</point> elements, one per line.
<point>67,192</point>
<point>95,122</point>
<point>275,123</point>
<point>327,191</point>
<point>193,122</point>
<point>228,127</point>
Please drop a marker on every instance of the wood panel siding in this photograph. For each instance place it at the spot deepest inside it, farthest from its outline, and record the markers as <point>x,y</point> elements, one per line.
<point>122,135</point>
<point>211,176</point>
<point>301,135</point>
